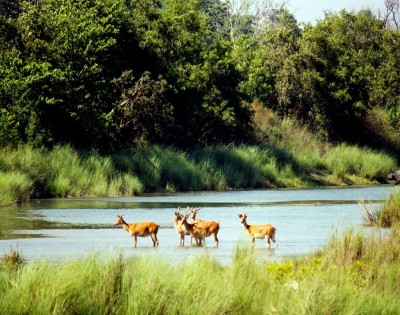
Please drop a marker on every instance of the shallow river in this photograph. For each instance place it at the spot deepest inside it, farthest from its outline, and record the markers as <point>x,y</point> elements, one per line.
<point>64,229</point>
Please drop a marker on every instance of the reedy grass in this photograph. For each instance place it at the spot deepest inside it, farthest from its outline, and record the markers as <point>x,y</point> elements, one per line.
<point>64,172</point>
<point>352,164</point>
<point>355,273</point>
<point>14,187</point>
<point>11,261</point>
<point>387,214</point>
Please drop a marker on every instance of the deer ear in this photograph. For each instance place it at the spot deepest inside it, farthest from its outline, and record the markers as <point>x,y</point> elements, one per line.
<point>239,215</point>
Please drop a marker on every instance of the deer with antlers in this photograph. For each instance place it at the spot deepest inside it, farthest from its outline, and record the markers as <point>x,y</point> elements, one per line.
<point>200,230</point>
<point>193,213</point>
<point>259,231</point>
<point>179,227</point>
<point>141,229</point>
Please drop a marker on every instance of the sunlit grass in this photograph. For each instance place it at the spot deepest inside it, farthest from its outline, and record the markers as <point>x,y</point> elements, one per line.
<point>386,214</point>
<point>12,260</point>
<point>14,187</point>
<point>64,172</point>
<point>390,212</point>
<point>351,164</point>
<point>356,273</point>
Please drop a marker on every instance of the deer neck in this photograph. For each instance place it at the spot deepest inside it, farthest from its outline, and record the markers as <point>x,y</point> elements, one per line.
<point>245,225</point>
<point>125,225</point>
<point>176,221</point>
<point>188,225</point>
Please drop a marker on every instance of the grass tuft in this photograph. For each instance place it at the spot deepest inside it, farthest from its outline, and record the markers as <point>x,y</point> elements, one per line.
<point>387,215</point>
<point>12,260</point>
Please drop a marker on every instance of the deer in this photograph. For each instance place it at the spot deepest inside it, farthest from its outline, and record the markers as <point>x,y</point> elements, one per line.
<point>179,227</point>
<point>141,229</point>
<point>201,230</point>
<point>259,231</point>
<point>193,213</point>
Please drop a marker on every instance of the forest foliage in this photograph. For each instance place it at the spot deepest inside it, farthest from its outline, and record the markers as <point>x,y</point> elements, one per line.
<point>115,73</point>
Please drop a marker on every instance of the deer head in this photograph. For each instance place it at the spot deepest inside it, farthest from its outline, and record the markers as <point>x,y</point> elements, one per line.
<point>119,220</point>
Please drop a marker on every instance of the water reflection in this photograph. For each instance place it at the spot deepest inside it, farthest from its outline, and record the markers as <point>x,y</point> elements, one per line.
<point>64,229</point>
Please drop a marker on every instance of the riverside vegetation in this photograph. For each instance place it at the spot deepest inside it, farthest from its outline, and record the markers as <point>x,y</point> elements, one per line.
<point>353,274</point>
<point>27,173</point>
<point>290,157</point>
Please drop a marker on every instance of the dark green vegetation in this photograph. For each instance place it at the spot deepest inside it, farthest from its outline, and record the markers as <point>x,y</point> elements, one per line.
<point>116,73</point>
<point>354,274</point>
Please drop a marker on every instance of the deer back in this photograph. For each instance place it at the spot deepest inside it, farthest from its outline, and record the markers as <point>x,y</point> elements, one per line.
<point>143,228</point>
<point>262,230</point>
<point>206,228</point>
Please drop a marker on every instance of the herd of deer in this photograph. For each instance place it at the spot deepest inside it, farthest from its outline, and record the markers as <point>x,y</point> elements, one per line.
<point>197,229</point>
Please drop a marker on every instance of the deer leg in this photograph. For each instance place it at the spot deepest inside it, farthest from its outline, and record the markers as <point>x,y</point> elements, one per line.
<point>155,240</point>
<point>268,242</point>
<point>216,239</point>
<point>134,240</point>
<point>252,241</point>
<point>274,240</point>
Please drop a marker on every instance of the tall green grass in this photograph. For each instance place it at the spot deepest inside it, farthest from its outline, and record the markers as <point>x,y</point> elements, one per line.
<point>64,172</point>
<point>386,214</point>
<point>350,162</point>
<point>354,274</point>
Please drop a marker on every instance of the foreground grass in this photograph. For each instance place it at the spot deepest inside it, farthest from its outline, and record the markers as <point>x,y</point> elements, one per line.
<point>354,274</point>
<point>27,173</point>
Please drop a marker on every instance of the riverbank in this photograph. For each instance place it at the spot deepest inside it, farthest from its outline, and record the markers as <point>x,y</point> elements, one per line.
<point>27,173</point>
<point>354,274</point>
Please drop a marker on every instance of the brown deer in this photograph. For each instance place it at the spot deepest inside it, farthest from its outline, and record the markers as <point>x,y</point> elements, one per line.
<point>193,213</point>
<point>141,229</point>
<point>179,227</point>
<point>259,231</point>
<point>201,230</point>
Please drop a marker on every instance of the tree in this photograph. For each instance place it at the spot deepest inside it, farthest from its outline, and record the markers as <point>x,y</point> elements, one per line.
<point>66,57</point>
<point>346,54</point>
<point>143,115</point>
<point>391,16</point>
<point>272,64</point>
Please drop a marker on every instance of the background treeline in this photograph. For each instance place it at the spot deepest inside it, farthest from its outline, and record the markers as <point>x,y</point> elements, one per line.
<point>117,73</point>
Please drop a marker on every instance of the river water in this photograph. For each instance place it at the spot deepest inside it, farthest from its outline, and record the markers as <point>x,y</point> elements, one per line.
<point>64,229</point>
